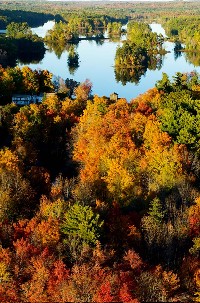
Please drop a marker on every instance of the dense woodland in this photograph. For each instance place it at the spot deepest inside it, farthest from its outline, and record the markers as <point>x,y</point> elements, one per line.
<point>100,198</point>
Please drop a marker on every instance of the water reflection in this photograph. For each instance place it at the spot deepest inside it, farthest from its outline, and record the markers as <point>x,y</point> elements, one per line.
<point>131,74</point>
<point>193,58</point>
<point>177,50</point>
<point>29,51</point>
<point>60,48</point>
<point>56,48</point>
<point>41,31</point>
<point>134,74</point>
<point>96,62</point>
<point>16,51</point>
<point>73,59</point>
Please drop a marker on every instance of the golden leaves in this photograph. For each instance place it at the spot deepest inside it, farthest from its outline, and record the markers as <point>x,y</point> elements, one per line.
<point>8,161</point>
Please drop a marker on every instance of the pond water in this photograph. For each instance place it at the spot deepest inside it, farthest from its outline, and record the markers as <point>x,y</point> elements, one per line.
<point>42,30</point>
<point>96,64</point>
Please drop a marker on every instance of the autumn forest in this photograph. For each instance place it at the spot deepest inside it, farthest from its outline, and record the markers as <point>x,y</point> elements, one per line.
<point>100,197</point>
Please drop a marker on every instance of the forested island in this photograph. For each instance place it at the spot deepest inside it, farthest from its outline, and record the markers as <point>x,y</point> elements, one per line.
<point>99,197</point>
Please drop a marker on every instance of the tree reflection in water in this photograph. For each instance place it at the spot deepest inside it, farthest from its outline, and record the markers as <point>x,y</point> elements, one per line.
<point>133,73</point>
<point>22,50</point>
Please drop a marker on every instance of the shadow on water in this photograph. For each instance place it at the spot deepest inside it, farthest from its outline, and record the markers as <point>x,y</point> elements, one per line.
<point>22,50</point>
<point>177,50</point>
<point>134,74</point>
<point>193,57</point>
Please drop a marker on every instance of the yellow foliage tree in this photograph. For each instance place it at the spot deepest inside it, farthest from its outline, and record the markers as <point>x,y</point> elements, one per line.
<point>163,160</point>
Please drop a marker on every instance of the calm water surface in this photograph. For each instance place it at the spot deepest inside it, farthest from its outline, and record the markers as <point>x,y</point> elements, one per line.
<point>42,30</point>
<point>96,64</point>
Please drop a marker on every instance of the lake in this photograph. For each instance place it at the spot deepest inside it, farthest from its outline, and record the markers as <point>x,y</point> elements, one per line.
<point>96,64</point>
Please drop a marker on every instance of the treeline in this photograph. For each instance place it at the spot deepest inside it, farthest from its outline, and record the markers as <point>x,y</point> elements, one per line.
<point>100,198</point>
<point>33,19</point>
<point>71,31</point>
<point>68,32</point>
<point>186,30</point>
<point>115,11</point>
<point>120,10</point>
<point>25,80</point>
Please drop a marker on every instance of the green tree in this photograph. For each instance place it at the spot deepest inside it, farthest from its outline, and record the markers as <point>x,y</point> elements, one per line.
<point>164,84</point>
<point>18,30</point>
<point>81,226</point>
<point>114,28</point>
<point>155,210</point>
<point>195,249</point>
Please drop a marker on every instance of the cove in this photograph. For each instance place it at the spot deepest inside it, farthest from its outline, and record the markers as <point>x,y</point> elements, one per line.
<point>96,63</point>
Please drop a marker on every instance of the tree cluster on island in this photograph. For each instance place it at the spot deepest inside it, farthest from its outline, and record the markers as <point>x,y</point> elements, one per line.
<point>142,50</point>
